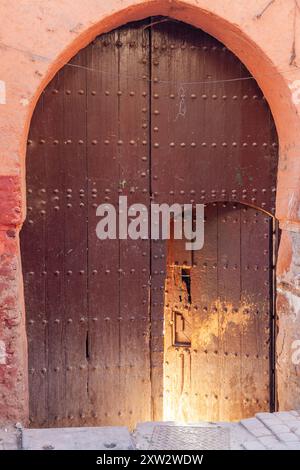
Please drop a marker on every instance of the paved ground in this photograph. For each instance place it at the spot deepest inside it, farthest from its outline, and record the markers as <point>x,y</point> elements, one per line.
<point>10,438</point>
<point>106,438</point>
<point>277,431</point>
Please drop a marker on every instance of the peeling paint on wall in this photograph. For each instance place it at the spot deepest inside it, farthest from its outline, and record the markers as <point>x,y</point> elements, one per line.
<point>295,87</point>
<point>292,203</point>
<point>2,353</point>
<point>296,353</point>
<point>2,92</point>
<point>24,102</point>
<point>293,301</point>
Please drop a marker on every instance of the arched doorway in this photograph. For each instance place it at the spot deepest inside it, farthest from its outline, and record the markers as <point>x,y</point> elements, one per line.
<point>156,110</point>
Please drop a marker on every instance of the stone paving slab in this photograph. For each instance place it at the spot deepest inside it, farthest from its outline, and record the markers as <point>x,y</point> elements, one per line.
<point>86,438</point>
<point>253,445</point>
<point>274,431</point>
<point>144,431</point>
<point>238,435</point>
<point>182,437</point>
<point>9,438</point>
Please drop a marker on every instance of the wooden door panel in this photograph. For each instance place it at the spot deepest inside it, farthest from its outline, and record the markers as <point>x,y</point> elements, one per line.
<point>225,371</point>
<point>90,361</point>
<point>212,131</point>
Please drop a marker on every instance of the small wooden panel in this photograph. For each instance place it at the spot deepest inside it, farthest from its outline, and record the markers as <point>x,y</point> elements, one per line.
<point>224,374</point>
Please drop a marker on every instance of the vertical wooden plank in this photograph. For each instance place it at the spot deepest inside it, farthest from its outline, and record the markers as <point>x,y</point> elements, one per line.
<point>34,269</point>
<point>256,262</point>
<point>230,311</point>
<point>205,307</point>
<point>134,161</point>
<point>259,144</point>
<point>177,343</point>
<point>54,255</point>
<point>65,248</point>
<point>103,255</point>
<point>73,199</point>
<point>157,304</point>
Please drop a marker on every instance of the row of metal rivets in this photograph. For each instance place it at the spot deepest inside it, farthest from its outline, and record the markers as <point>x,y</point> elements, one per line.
<point>92,414</point>
<point>214,204</point>
<point>233,206</point>
<point>181,192</point>
<point>107,191</point>
<point>215,265</point>
<point>95,272</point>
<point>93,142</point>
<point>156,46</point>
<point>44,370</point>
<point>248,267</point>
<point>215,309</point>
<point>235,266</point>
<point>192,191</point>
<point>204,96</point>
<point>70,193</point>
<point>107,271</point>
<point>162,47</point>
<point>95,205</point>
<point>213,194</point>
<point>156,144</point>
<point>224,353</point>
<point>244,221</point>
<point>156,95</point>
<point>213,144</point>
<point>216,397</point>
<point>192,47</point>
<point>188,351</point>
<point>58,321</point>
<point>94,92</point>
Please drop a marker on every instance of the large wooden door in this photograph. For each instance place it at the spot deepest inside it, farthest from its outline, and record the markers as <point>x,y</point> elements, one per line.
<point>156,111</point>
